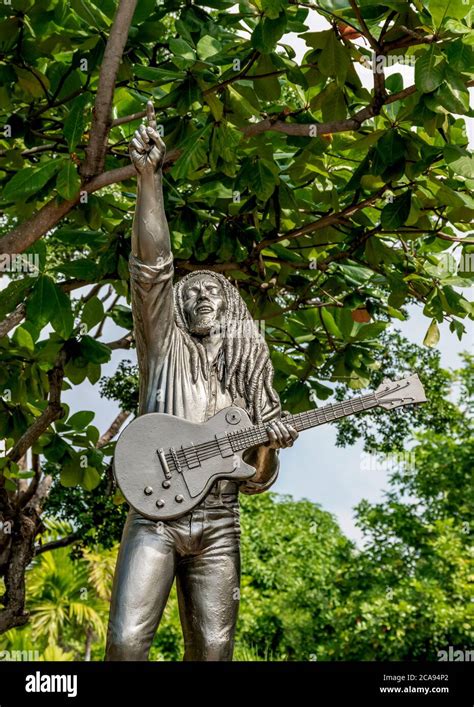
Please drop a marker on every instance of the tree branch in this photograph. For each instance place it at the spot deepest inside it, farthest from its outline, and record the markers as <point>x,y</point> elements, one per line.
<point>364,29</point>
<point>11,321</point>
<point>328,220</point>
<point>28,232</point>
<point>113,429</point>
<point>28,494</point>
<point>124,343</point>
<point>102,117</point>
<point>55,544</point>
<point>409,41</point>
<point>53,411</point>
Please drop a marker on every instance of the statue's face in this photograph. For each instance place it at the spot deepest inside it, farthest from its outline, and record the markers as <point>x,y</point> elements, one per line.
<point>204,303</point>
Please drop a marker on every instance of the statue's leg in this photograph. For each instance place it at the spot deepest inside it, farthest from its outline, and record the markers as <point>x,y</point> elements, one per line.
<point>208,584</point>
<point>143,578</point>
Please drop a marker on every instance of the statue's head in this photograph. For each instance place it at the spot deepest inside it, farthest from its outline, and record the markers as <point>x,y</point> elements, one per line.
<point>204,303</point>
<point>207,302</point>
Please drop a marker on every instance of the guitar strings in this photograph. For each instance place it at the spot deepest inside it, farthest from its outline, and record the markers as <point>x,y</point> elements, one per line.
<point>206,450</point>
<point>256,432</point>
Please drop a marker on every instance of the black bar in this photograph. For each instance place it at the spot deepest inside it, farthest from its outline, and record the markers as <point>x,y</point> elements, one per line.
<point>312,683</point>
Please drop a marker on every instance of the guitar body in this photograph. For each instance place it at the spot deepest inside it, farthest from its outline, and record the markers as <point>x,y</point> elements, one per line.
<point>165,465</point>
<point>158,470</point>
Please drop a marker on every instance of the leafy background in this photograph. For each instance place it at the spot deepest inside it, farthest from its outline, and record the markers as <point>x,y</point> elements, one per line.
<point>330,237</point>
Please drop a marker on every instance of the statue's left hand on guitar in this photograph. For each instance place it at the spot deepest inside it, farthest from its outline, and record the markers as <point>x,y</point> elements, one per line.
<point>281,434</point>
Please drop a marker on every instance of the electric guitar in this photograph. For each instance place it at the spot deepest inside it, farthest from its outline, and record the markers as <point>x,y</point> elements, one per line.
<point>165,465</point>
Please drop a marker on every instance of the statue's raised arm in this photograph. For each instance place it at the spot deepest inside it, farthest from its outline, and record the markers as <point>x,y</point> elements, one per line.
<point>151,260</point>
<point>150,235</point>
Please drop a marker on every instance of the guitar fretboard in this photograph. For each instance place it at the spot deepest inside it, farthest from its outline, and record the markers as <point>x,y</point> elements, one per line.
<point>258,434</point>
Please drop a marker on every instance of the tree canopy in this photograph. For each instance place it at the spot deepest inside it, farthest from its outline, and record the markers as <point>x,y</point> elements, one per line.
<point>330,205</point>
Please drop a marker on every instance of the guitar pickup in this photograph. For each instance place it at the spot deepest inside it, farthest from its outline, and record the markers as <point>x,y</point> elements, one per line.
<point>223,442</point>
<point>190,454</point>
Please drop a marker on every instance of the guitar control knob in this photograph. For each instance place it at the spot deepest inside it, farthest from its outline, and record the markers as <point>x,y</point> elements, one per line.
<point>166,484</point>
<point>160,503</point>
<point>233,417</point>
<point>148,490</point>
<point>179,498</point>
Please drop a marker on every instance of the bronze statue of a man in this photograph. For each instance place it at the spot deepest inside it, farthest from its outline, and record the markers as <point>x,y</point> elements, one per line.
<point>198,352</point>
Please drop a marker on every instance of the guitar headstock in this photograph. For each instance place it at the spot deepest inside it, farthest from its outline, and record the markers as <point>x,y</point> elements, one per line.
<point>394,394</point>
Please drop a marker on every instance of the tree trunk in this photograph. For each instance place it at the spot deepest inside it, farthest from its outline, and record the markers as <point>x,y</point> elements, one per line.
<point>89,639</point>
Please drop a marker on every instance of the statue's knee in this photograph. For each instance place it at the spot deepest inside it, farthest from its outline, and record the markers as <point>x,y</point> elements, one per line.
<point>126,645</point>
<point>210,648</point>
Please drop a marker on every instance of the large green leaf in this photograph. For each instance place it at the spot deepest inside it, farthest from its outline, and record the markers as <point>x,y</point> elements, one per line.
<point>261,177</point>
<point>429,70</point>
<point>440,10</point>
<point>14,294</point>
<point>183,53</point>
<point>396,213</point>
<point>48,303</point>
<point>80,420</point>
<point>30,180</point>
<point>193,153</point>
<point>94,351</point>
<point>390,147</point>
<point>157,75</point>
<point>93,312</point>
<point>459,160</point>
<point>76,120</point>
<point>68,181</point>
<point>83,269</point>
<point>333,105</point>
<point>453,94</point>
<point>334,59</point>
<point>268,32</point>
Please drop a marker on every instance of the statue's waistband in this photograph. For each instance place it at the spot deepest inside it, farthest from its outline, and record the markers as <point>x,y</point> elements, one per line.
<point>223,491</point>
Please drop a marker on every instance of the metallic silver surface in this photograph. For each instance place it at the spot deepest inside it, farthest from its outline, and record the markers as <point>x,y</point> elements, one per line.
<point>197,456</point>
<point>192,366</point>
<point>200,549</point>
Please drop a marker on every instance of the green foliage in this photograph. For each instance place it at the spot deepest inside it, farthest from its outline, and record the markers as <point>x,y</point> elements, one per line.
<point>69,602</point>
<point>384,433</point>
<point>410,593</point>
<point>330,229</point>
<point>254,201</point>
<point>307,593</point>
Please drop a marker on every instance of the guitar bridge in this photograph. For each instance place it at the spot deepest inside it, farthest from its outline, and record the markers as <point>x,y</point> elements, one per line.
<point>164,463</point>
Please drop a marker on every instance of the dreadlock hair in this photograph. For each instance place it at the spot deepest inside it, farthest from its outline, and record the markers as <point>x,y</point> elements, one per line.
<point>244,360</point>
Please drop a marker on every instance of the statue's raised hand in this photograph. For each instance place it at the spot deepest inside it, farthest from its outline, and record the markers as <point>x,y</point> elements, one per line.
<point>147,149</point>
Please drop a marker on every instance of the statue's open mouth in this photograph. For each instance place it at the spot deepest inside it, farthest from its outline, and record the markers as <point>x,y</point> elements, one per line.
<point>204,309</point>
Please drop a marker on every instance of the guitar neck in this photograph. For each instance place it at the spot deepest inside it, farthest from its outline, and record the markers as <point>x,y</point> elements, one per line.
<point>251,436</point>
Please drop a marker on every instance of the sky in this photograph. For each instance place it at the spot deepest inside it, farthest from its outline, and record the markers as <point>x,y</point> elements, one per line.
<point>314,468</point>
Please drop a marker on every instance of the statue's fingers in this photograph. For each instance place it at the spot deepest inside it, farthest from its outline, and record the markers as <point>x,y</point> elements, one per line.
<point>150,114</point>
<point>271,434</point>
<point>294,433</point>
<point>144,135</point>
<point>156,137</point>
<point>284,433</point>
<point>280,437</point>
<point>135,156</point>
<point>138,145</point>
